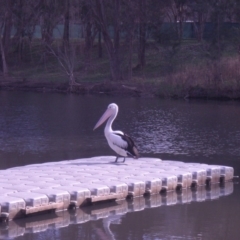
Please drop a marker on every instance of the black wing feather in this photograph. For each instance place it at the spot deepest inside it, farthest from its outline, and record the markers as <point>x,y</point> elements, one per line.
<point>131,147</point>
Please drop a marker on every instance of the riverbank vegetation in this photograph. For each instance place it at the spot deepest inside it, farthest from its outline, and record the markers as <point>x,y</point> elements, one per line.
<point>175,48</point>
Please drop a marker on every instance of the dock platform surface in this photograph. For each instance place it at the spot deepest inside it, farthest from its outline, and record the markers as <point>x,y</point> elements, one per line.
<point>74,183</point>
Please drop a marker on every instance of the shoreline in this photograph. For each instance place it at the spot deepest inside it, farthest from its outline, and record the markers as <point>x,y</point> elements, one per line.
<point>124,89</point>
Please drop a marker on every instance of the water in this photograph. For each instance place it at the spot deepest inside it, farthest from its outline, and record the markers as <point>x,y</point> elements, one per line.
<point>38,127</point>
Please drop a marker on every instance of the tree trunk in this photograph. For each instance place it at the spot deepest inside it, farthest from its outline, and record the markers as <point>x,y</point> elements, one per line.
<point>142,34</point>
<point>116,34</point>
<point>47,34</point>
<point>130,50</point>
<point>88,39</point>
<point>66,26</point>
<point>239,52</point>
<point>72,80</point>
<point>4,63</point>
<point>115,71</point>
<point>112,48</point>
<point>7,28</point>
<point>19,33</point>
<point>88,44</point>
<point>197,28</point>
<point>201,27</point>
<point>180,30</point>
<point>100,43</point>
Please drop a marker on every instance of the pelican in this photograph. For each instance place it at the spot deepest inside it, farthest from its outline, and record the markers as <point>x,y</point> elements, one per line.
<point>118,141</point>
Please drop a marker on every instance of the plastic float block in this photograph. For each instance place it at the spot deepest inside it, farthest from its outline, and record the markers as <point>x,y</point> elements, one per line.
<point>5,191</point>
<point>199,175</point>
<point>11,207</point>
<point>226,172</point>
<point>169,181</point>
<point>135,187</point>
<point>32,199</point>
<point>184,179</point>
<point>78,195</point>
<point>56,195</point>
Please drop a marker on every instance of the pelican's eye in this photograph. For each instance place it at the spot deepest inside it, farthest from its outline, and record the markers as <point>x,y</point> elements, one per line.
<point>112,106</point>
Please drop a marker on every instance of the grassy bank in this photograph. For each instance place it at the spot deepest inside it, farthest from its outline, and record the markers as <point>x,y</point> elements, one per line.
<point>190,70</point>
<point>212,79</point>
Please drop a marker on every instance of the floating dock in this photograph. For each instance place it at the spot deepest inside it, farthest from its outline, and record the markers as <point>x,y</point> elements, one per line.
<point>110,212</point>
<point>75,183</point>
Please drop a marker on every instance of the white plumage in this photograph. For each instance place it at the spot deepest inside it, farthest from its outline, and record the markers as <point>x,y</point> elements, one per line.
<point>120,142</point>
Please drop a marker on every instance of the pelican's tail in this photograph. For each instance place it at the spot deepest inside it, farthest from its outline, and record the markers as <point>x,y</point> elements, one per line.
<point>133,156</point>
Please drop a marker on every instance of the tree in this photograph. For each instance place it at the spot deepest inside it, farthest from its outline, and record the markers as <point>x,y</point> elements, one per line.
<point>4,62</point>
<point>151,14</point>
<point>221,12</point>
<point>25,17</point>
<point>236,30</point>
<point>52,12</point>
<point>200,13</point>
<point>66,25</point>
<point>5,28</point>
<point>66,58</point>
<point>65,51</point>
<point>142,33</point>
<point>90,30</point>
<point>102,10</point>
<point>129,26</point>
<point>177,13</point>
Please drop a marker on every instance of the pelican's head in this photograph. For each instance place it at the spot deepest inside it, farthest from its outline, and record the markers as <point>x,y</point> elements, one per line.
<point>112,109</point>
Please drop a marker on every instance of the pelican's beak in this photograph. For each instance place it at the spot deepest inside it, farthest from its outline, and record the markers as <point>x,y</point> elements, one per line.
<point>103,118</point>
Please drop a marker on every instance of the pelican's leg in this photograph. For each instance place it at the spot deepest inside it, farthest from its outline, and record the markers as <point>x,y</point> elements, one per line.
<point>123,159</point>
<point>116,159</point>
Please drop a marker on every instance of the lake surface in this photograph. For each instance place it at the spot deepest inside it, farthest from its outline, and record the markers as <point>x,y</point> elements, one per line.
<point>38,127</point>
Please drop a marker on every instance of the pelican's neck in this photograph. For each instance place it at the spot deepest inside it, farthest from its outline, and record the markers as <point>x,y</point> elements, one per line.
<point>108,127</point>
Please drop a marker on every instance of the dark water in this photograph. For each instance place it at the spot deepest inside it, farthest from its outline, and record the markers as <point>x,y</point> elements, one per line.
<point>37,127</point>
